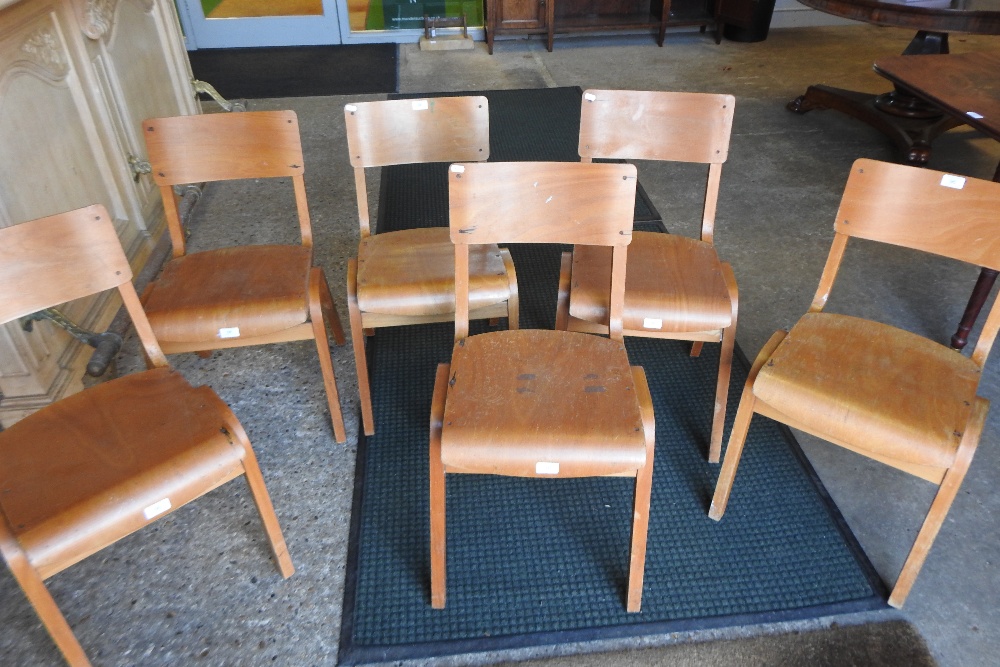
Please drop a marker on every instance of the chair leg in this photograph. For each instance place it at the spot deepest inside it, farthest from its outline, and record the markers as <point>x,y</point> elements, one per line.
<point>513,300</point>
<point>939,508</point>
<point>696,346</point>
<point>437,491</point>
<point>725,369</point>
<point>643,491</point>
<point>330,315</point>
<point>261,498</point>
<point>316,286</point>
<point>722,393</point>
<point>740,427</point>
<point>358,341</point>
<point>562,300</point>
<point>38,595</point>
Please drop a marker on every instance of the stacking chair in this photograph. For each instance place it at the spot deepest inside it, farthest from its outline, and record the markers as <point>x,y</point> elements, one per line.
<point>242,295</point>
<point>536,403</point>
<point>884,392</point>
<point>677,287</point>
<point>92,468</point>
<point>407,276</point>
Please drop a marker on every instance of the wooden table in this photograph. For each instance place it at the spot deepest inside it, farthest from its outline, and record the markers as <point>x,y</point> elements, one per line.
<point>906,119</point>
<point>966,90</point>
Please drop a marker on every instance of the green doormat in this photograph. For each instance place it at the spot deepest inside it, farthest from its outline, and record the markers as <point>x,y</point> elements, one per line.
<point>532,562</point>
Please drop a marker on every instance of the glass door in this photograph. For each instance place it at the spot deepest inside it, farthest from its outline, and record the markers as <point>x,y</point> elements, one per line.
<point>403,20</point>
<point>218,24</point>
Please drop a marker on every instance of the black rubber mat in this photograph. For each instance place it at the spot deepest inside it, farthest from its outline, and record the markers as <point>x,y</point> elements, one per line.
<point>545,561</point>
<point>298,71</point>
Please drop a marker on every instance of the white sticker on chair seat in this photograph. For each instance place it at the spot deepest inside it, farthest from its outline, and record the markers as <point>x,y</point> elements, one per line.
<point>590,97</point>
<point>156,509</point>
<point>973,114</point>
<point>229,332</point>
<point>652,323</point>
<point>458,169</point>
<point>351,108</point>
<point>419,105</point>
<point>546,468</point>
<point>952,181</point>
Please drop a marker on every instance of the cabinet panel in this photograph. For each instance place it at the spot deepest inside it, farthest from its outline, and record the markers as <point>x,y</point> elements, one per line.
<point>521,14</point>
<point>76,79</point>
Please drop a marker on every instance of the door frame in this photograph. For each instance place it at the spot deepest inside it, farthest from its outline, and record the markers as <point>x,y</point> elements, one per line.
<point>203,33</point>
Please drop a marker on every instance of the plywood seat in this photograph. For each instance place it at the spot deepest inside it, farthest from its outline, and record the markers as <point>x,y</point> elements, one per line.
<point>412,272</point>
<point>674,283</point>
<point>71,491</point>
<point>906,423</point>
<point>193,297</point>
<point>593,390</point>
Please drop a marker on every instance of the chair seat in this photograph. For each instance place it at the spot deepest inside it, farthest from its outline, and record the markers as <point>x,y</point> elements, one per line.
<point>507,413</point>
<point>412,272</point>
<point>69,474</point>
<point>192,300</point>
<point>673,283</point>
<point>872,386</point>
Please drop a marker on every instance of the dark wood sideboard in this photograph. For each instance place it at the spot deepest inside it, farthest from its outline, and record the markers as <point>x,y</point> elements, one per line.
<point>551,17</point>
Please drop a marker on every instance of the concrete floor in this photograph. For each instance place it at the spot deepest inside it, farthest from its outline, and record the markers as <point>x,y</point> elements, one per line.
<point>197,587</point>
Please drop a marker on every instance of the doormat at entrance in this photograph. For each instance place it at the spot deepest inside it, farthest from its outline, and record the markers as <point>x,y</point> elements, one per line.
<point>534,562</point>
<point>298,71</point>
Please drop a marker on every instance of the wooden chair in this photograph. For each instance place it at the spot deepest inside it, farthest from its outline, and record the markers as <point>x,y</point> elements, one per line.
<point>408,276</point>
<point>677,287</point>
<point>883,392</point>
<point>245,295</point>
<point>82,473</point>
<point>537,403</point>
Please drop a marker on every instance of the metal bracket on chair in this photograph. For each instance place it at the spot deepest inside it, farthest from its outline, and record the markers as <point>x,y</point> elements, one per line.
<point>106,345</point>
<point>209,89</point>
<point>138,167</point>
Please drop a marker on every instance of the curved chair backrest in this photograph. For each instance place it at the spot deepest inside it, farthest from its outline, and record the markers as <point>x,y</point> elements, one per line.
<point>653,125</point>
<point>540,202</point>
<point>52,260</point>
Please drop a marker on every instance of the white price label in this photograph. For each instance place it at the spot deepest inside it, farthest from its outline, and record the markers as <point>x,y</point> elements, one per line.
<point>546,468</point>
<point>419,105</point>
<point>229,332</point>
<point>652,323</point>
<point>156,509</point>
<point>952,181</point>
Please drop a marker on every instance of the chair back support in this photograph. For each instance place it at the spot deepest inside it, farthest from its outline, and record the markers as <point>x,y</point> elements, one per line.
<point>436,129</point>
<point>222,147</point>
<point>944,214</point>
<point>655,125</point>
<point>540,202</point>
<point>49,261</point>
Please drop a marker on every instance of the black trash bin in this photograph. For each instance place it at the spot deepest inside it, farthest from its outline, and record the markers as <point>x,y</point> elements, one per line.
<point>749,22</point>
